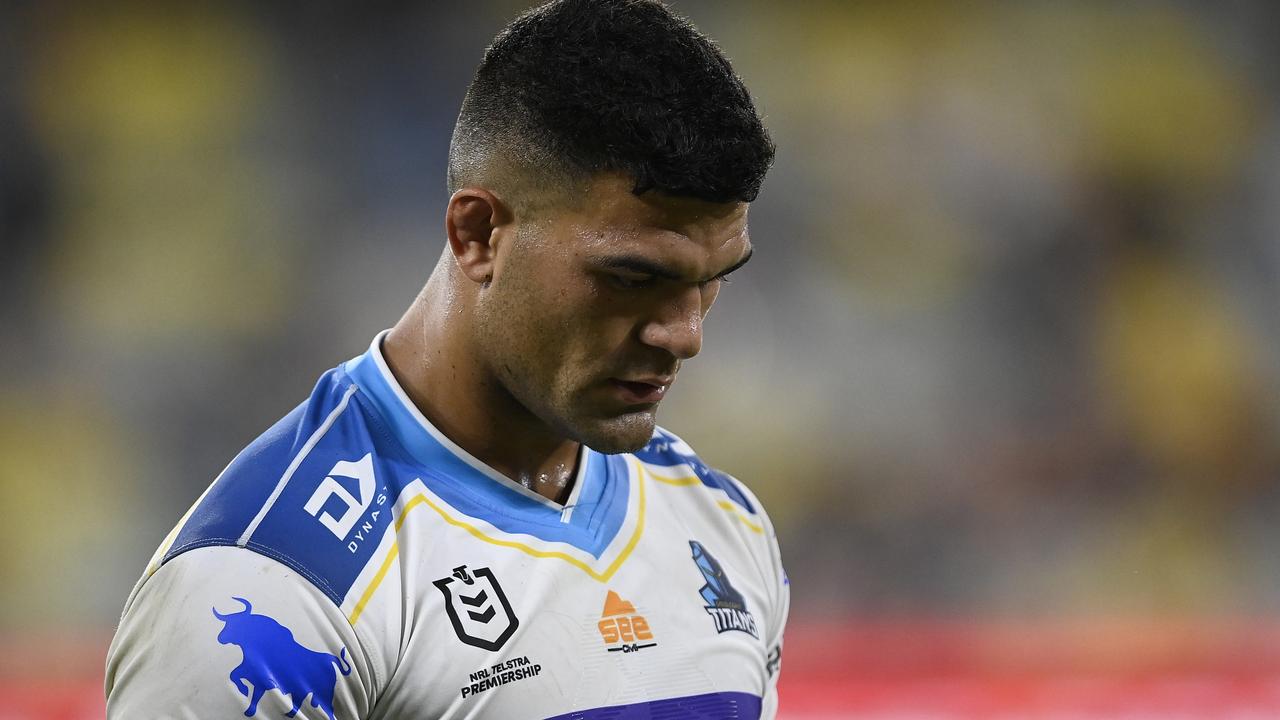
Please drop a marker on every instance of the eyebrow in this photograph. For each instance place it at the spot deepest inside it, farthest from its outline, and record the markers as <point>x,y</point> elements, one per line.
<point>645,266</point>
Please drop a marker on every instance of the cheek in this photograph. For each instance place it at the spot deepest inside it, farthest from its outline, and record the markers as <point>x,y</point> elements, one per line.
<point>559,327</point>
<point>519,324</point>
<point>588,342</point>
<point>569,330</point>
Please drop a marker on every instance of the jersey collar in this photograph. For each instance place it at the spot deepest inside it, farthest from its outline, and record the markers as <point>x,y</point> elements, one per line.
<point>432,448</point>
<point>592,517</point>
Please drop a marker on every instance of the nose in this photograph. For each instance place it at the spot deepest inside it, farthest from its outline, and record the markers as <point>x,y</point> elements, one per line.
<point>676,324</point>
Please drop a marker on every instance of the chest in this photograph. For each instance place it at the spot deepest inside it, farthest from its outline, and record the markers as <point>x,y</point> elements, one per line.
<point>505,627</point>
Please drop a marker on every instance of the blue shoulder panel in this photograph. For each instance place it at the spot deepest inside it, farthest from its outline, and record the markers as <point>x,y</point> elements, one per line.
<point>311,492</point>
<point>665,450</point>
<point>229,505</point>
<point>316,491</point>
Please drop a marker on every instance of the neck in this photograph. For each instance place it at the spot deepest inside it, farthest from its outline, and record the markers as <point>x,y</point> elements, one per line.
<point>431,357</point>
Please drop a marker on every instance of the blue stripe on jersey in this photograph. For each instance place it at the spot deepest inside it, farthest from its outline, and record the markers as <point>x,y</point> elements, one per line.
<point>288,532</point>
<point>711,706</point>
<point>229,505</point>
<point>661,451</point>
<point>600,506</point>
<point>314,455</point>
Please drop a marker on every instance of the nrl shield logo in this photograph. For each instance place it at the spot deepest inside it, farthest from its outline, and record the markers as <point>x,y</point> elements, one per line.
<point>477,607</point>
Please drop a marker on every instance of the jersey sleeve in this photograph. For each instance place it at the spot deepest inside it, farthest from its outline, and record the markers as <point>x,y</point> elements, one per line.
<point>777,620</point>
<point>779,592</point>
<point>228,632</point>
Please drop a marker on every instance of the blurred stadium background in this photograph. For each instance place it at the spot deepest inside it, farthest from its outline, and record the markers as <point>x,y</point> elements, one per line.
<point>1006,370</point>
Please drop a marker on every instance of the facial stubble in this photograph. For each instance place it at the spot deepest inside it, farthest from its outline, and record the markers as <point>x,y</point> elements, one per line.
<point>555,384</point>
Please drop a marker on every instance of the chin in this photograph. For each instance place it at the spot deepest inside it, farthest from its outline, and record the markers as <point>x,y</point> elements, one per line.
<point>623,434</point>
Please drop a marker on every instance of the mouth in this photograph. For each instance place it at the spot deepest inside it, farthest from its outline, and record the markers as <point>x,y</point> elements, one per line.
<point>642,391</point>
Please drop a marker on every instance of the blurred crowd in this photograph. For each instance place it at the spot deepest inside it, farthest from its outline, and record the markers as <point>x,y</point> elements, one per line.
<point>1009,346</point>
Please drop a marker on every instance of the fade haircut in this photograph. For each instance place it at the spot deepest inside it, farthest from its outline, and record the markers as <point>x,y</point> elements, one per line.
<point>574,88</point>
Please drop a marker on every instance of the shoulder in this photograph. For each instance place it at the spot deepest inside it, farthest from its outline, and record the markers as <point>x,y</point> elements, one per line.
<point>300,492</point>
<point>218,608</point>
<point>731,519</point>
<point>670,459</point>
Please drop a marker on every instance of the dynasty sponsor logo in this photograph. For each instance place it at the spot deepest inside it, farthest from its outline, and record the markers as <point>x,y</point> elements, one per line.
<point>621,627</point>
<point>500,674</point>
<point>332,495</point>
<point>725,605</point>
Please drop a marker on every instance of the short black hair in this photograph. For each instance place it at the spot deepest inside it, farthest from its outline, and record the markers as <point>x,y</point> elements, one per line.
<point>574,88</point>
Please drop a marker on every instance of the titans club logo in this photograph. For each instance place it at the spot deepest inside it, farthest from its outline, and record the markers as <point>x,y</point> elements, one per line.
<point>478,608</point>
<point>725,605</point>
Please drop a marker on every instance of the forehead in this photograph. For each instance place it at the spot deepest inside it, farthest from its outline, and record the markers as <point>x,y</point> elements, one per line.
<point>612,218</point>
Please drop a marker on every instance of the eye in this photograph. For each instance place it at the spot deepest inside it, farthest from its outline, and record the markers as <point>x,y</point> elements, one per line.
<point>631,281</point>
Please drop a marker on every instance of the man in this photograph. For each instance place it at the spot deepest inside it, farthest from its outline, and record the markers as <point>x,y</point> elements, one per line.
<point>478,518</point>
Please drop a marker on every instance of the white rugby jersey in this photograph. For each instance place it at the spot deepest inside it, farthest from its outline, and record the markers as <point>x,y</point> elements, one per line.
<point>353,562</point>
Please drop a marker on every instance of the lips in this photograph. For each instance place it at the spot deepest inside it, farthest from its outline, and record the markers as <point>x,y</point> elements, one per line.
<point>646,391</point>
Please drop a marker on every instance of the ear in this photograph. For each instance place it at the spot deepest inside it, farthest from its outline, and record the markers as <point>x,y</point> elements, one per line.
<point>474,221</point>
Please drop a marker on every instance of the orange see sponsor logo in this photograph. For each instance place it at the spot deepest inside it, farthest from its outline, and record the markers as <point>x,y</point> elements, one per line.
<point>619,623</point>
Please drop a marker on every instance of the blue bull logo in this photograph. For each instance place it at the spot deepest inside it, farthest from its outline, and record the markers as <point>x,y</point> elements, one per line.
<point>273,659</point>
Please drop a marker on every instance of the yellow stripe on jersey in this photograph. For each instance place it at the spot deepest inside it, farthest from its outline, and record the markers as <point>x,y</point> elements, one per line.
<point>417,500</point>
<point>168,543</point>
<point>731,509</point>
<point>687,480</point>
<point>377,578</point>
<point>690,480</point>
<point>172,537</point>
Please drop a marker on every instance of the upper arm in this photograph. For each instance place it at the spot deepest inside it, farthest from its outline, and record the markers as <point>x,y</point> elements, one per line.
<point>779,593</point>
<point>217,629</point>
